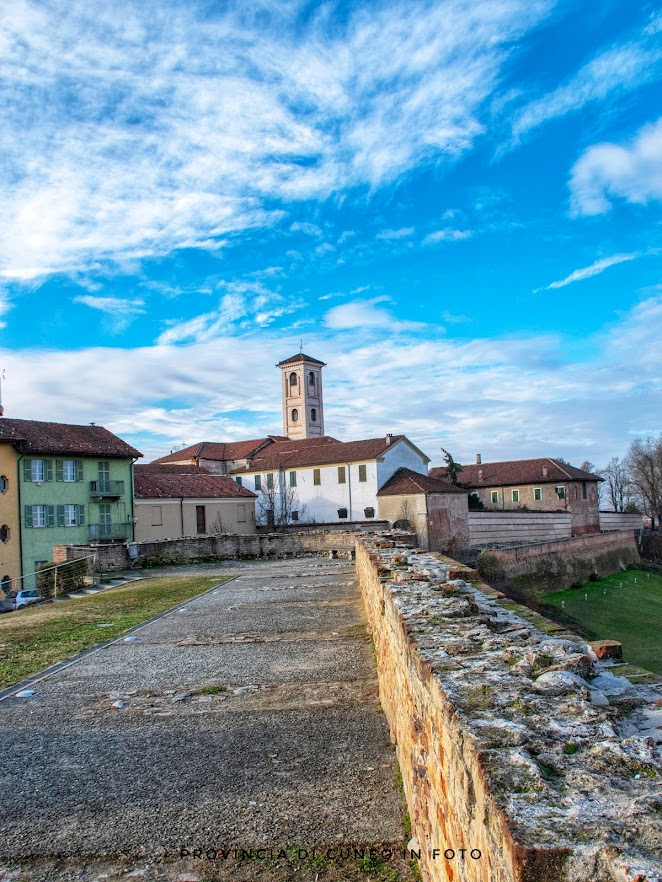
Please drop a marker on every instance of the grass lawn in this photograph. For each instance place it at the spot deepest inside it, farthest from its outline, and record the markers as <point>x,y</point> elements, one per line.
<point>631,614</point>
<point>34,638</point>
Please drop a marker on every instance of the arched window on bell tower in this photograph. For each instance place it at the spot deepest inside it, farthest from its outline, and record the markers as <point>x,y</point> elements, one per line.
<point>294,380</point>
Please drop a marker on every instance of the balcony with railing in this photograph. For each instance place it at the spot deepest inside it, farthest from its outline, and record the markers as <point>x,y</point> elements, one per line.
<point>109,532</point>
<point>107,489</point>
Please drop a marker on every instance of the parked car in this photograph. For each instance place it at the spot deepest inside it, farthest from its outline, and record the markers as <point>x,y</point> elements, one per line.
<point>18,599</point>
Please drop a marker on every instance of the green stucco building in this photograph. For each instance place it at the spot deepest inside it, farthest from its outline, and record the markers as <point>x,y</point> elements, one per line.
<point>74,485</point>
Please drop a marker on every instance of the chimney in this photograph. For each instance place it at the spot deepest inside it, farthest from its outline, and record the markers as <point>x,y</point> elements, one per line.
<point>480,475</point>
<point>544,471</point>
<point>478,459</point>
<point>389,438</point>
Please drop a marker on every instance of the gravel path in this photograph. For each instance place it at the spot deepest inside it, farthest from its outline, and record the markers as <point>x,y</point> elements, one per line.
<point>248,718</point>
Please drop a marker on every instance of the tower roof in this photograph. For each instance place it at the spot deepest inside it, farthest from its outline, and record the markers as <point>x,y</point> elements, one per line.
<point>295,359</point>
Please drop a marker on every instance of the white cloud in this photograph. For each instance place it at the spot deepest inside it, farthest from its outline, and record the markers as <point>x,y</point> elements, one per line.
<point>610,171</point>
<point>308,229</point>
<point>617,69</point>
<point>366,314</point>
<point>112,305</point>
<point>157,132</point>
<point>507,397</point>
<point>593,270</point>
<point>447,235</point>
<point>403,233</point>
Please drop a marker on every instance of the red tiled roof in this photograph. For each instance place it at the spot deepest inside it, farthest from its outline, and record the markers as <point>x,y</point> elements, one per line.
<point>160,485</point>
<point>316,451</point>
<point>295,359</point>
<point>218,451</point>
<point>171,468</point>
<point>517,471</point>
<point>32,436</point>
<point>405,481</point>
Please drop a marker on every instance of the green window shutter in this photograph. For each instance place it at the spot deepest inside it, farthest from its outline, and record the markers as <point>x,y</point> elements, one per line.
<point>28,515</point>
<point>60,516</point>
<point>50,515</point>
<point>79,470</point>
<point>59,470</point>
<point>317,477</point>
<point>48,470</point>
<point>81,515</point>
<point>363,473</point>
<point>258,482</point>
<point>293,479</point>
<point>27,470</point>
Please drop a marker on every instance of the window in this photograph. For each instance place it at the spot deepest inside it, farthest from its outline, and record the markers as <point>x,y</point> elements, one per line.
<point>584,490</point>
<point>369,512</point>
<point>241,513</point>
<point>293,379</point>
<point>537,493</point>
<point>494,496</point>
<point>4,484</point>
<point>104,473</point>
<point>363,473</point>
<point>311,379</point>
<point>200,519</point>
<point>295,415</point>
<point>157,515</point>
<point>270,481</point>
<point>293,479</point>
<point>70,515</point>
<point>342,512</point>
<point>560,492</point>
<point>317,477</point>
<point>295,515</point>
<point>38,470</point>
<point>515,495</point>
<point>313,415</point>
<point>238,480</point>
<point>66,470</point>
<point>258,482</point>
<point>341,474</point>
<point>4,533</point>
<point>6,584</point>
<point>39,515</point>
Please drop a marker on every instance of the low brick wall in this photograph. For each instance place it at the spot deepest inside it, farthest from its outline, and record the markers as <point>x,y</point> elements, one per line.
<point>224,547</point>
<point>510,753</point>
<point>553,566</point>
<point>491,528</point>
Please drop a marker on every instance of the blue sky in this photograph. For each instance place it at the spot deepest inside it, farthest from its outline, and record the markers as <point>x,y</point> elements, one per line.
<point>455,205</point>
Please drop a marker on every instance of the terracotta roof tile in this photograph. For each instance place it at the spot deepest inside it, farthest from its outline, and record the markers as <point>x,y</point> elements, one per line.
<point>316,451</point>
<point>518,471</point>
<point>295,359</point>
<point>217,451</point>
<point>32,436</point>
<point>150,484</point>
<point>405,481</point>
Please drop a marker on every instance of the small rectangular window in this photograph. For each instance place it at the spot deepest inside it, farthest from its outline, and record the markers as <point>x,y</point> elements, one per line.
<point>200,519</point>
<point>270,481</point>
<point>363,473</point>
<point>341,476</point>
<point>238,480</point>
<point>157,515</point>
<point>258,482</point>
<point>70,515</point>
<point>295,515</point>
<point>537,493</point>
<point>495,496</point>
<point>560,492</point>
<point>515,495</point>
<point>39,515</point>
<point>369,512</point>
<point>584,490</point>
<point>317,477</point>
<point>69,470</point>
<point>293,479</point>
<point>342,512</point>
<point>38,470</point>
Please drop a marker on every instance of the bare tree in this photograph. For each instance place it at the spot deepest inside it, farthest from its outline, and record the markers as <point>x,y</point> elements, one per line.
<point>217,526</point>
<point>618,486</point>
<point>644,462</point>
<point>405,518</point>
<point>278,503</point>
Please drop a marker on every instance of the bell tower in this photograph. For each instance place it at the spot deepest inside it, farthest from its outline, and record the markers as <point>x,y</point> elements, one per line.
<point>303,407</point>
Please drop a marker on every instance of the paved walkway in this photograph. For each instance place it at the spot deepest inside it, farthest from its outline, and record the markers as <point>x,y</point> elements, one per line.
<point>249,717</point>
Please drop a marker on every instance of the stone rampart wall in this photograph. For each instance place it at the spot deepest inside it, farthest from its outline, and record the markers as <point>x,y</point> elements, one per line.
<point>553,566</point>
<point>521,759</point>
<point>224,547</point>
<point>491,528</point>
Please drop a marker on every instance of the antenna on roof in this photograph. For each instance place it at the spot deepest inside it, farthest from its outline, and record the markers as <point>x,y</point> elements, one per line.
<point>3,375</point>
